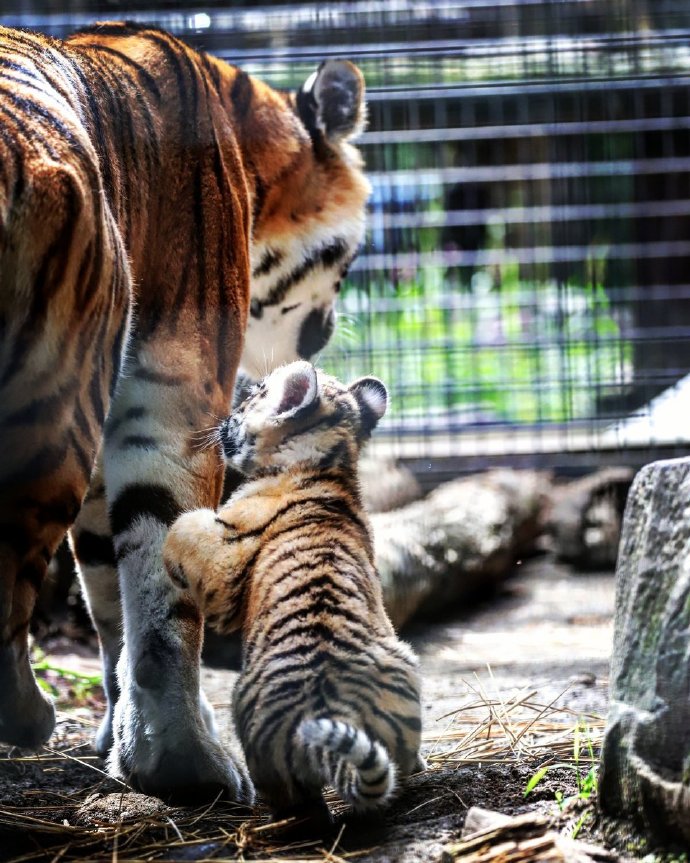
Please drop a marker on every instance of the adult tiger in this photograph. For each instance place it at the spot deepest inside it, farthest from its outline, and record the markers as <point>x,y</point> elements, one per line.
<point>145,188</point>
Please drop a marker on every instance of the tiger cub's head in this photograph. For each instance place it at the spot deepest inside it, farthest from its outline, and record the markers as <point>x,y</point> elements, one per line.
<point>309,213</point>
<point>300,417</point>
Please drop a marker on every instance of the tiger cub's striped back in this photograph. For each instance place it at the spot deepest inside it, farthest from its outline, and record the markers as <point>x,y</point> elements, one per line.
<point>328,694</point>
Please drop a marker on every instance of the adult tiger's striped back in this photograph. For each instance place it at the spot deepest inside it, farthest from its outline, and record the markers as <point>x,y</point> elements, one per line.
<point>327,694</point>
<point>147,193</point>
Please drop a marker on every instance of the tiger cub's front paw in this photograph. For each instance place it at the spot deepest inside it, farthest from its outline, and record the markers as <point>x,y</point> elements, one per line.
<point>186,548</point>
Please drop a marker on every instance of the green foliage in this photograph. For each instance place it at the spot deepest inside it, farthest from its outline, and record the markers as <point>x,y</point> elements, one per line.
<point>586,781</point>
<point>54,679</point>
<point>501,349</point>
<point>536,779</point>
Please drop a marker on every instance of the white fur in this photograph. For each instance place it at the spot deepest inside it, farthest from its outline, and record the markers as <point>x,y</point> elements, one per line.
<point>309,83</point>
<point>272,340</point>
<point>374,396</point>
<point>279,380</point>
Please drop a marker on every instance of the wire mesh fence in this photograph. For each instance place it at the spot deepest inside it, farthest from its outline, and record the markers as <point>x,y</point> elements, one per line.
<point>524,286</point>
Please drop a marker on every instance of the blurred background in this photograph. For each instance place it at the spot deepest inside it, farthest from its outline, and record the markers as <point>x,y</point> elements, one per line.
<point>524,285</point>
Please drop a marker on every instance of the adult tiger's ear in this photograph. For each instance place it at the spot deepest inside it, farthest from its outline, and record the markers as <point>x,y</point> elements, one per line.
<point>372,398</point>
<point>294,391</point>
<point>330,103</point>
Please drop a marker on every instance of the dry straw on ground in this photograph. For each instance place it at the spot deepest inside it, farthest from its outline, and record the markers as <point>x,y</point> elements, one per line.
<point>89,816</point>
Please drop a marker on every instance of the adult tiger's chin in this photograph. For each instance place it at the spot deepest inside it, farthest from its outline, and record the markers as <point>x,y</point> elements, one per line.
<point>268,347</point>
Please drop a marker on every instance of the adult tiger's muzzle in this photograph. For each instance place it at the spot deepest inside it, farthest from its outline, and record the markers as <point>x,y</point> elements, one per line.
<point>316,330</point>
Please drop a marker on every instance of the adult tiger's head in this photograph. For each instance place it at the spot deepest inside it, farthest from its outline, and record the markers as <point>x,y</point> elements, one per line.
<point>308,213</point>
<point>300,417</point>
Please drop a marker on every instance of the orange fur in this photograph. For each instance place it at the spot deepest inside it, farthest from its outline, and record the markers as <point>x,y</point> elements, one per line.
<point>142,184</point>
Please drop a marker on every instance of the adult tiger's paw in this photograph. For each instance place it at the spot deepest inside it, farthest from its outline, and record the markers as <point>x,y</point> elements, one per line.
<point>165,745</point>
<point>181,765</point>
<point>27,715</point>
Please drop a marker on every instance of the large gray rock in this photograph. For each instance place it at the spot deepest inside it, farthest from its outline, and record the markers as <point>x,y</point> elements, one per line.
<point>645,771</point>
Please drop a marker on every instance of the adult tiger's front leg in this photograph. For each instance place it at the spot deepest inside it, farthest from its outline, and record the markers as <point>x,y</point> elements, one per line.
<point>154,469</point>
<point>92,545</point>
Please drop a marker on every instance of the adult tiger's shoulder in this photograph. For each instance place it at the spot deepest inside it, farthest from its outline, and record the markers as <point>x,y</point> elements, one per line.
<point>156,203</point>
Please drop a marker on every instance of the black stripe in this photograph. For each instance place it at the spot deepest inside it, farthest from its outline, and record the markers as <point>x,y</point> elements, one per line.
<point>126,548</point>
<point>94,550</point>
<point>331,504</point>
<point>414,723</point>
<point>48,279</point>
<point>122,140</point>
<point>370,795</point>
<point>321,422</point>
<point>136,500</point>
<point>185,609</point>
<point>18,153</point>
<point>134,413</point>
<point>337,455</point>
<point>41,409</point>
<point>143,76</point>
<point>323,581</point>
<point>303,663</point>
<point>371,758</point>
<point>98,135</point>
<point>259,195</point>
<point>36,110</point>
<point>41,464</point>
<point>322,256</point>
<point>241,95</point>
<point>35,83</point>
<point>60,511</point>
<point>200,237</point>
<point>348,741</point>
<point>270,260</point>
<point>33,50</point>
<point>163,378</point>
<point>85,456</point>
<point>176,55</point>
<point>31,133</point>
<point>139,441</point>
<point>328,553</point>
<point>211,70</point>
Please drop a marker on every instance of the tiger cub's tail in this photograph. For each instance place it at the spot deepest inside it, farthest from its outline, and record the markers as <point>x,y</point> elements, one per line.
<point>360,769</point>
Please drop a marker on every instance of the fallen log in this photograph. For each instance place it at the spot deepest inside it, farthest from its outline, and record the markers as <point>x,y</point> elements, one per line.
<point>585,518</point>
<point>387,485</point>
<point>463,536</point>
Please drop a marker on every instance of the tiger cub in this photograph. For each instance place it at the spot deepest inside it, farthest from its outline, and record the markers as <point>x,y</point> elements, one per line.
<point>327,694</point>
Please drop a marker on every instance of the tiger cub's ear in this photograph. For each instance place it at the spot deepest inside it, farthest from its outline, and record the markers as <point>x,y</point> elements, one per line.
<point>372,398</point>
<point>295,392</point>
<point>331,101</point>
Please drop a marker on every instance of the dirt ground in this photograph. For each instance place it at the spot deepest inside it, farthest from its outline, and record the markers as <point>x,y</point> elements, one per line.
<point>505,684</point>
